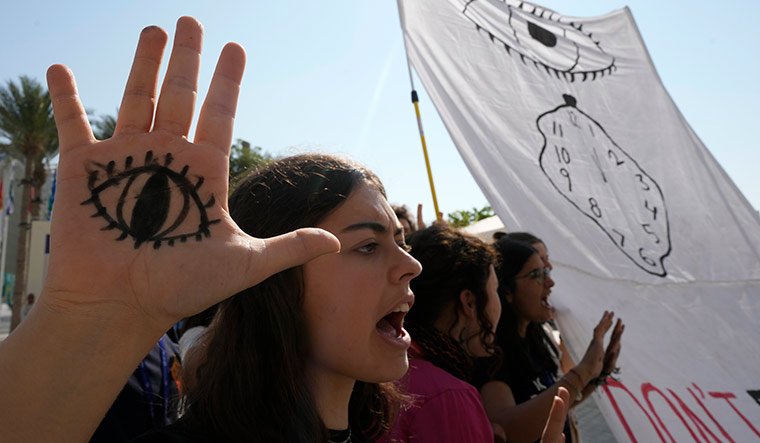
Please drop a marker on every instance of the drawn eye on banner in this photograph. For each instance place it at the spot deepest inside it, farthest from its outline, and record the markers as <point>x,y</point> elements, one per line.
<point>605,184</point>
<point>539,36</point>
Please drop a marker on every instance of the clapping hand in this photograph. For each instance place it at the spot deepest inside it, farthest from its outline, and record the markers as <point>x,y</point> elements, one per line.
<point>597,360</point>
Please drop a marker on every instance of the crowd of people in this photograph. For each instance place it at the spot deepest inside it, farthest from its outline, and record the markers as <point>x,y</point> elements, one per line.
<point>301,309</point>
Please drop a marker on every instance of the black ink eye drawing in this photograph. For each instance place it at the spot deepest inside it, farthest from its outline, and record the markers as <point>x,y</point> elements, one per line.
<point>605,184</point>
<point>145,197</point>
<point>540,37</point>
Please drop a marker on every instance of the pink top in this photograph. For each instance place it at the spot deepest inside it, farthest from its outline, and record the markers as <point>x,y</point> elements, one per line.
<point>443,409</point>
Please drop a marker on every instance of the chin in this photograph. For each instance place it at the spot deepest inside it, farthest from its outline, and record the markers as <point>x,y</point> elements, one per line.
<point>391,371</point>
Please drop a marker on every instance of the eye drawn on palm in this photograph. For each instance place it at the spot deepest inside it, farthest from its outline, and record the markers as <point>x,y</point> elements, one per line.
<point>141,221</point>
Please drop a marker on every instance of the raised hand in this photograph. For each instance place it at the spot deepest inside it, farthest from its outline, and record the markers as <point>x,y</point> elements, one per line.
<point>140,237</point>
<point>420,221</point>
<point>141,221</point>
<point>613,350</point>
<point>593,360</point>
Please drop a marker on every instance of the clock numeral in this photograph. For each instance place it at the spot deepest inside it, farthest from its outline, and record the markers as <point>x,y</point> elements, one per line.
<point>622,237</point>
<point>653,210</point>
<point>557,126</point>
<point>641,180</point>
<point>648,229</point>
<point>612,154</point>
<point>595,207</point>
<point>598,163</point>
<point>564,172</point>
<point>573,119</point>
<point>563,156</point>
<point>646,259</point>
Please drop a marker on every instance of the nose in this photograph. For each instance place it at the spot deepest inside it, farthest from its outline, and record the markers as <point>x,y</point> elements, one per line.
<point>548,281</point>
<point>406,267</point>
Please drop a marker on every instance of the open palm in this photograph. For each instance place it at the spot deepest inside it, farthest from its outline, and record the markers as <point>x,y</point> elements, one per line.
<point>141,225</point>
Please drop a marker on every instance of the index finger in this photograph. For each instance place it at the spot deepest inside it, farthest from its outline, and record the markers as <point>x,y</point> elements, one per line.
<point>604,324</point>
<point>176,102</point>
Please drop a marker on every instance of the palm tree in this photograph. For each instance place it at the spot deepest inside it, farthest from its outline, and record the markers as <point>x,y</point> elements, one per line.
<point>105,126</point>
<point>26,122</point>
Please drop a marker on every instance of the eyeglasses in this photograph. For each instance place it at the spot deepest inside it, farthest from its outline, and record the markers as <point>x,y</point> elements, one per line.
<point>539,275</point>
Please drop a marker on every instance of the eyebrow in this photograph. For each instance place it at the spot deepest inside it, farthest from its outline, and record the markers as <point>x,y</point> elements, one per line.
<point>377,227</point>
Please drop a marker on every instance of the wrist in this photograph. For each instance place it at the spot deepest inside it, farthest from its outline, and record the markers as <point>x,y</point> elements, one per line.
<point>82,313</point>
<point>575,382</point>
<point>583,374</point>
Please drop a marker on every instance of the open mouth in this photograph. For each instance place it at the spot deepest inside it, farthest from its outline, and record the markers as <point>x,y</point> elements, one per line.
<point>392,325</point>
<point>545,302</point>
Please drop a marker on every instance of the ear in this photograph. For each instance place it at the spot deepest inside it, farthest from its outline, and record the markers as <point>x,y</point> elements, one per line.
<point>467,303</point>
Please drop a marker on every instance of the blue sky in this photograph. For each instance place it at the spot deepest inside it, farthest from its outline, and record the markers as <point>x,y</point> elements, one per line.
<point>332,76</point>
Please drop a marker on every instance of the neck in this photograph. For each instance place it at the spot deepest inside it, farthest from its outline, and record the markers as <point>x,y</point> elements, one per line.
<point>332,393</point>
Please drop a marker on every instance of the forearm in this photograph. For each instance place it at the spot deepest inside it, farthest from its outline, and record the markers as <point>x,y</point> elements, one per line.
<point>525,422</point>
<point>60,372</point>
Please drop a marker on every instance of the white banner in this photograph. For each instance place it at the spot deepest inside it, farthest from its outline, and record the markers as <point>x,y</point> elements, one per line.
<point>568,131</point>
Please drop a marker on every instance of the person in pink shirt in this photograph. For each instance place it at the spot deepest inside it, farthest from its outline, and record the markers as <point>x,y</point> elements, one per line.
<point>452,321</point>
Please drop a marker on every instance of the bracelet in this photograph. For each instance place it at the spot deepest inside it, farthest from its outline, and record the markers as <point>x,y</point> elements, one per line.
<point>602,379</point>
<point>579,395</point>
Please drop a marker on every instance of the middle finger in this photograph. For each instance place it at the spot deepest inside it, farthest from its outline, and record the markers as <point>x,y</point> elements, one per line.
<point>177,100</point>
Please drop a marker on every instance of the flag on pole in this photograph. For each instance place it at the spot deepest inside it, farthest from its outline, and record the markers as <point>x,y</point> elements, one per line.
<point>565,126</point>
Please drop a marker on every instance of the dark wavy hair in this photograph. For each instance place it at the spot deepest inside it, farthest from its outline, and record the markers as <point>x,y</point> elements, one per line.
<point>402,213</point>
<point>525,237</point>
<point>520,356</point>
<point>247,380</point>
<point>451,262</point>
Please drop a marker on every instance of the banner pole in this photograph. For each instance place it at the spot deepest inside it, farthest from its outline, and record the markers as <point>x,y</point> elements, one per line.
<point>415,101</point>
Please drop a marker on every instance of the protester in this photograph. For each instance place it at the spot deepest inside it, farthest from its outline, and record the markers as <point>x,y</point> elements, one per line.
<point>116,284</point>
<point>285,358</point>
<point>520,393</point>
<point>551,327</point>
<point>406,220</point>
<point>453,319</point>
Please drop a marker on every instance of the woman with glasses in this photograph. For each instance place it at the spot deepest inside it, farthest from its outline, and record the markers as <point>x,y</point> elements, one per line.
<point>518,395</point>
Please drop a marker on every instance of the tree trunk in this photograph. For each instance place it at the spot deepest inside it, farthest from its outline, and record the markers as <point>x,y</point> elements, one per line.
<point>24,229</point>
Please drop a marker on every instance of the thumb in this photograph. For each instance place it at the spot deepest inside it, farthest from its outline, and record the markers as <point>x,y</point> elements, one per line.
<point>556,422</point>
<point>293,249</point>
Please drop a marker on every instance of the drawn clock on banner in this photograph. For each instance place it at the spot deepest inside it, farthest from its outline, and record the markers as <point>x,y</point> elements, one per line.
<point>605,184</point>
